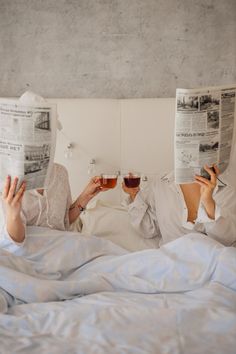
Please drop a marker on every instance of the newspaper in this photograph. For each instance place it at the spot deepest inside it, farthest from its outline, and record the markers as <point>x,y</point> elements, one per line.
<point>27,142</point>
<point>204,125</point>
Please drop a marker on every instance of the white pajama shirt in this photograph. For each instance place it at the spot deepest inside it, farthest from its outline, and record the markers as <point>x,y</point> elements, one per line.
<point>161,212</point>
<point>49,210</point>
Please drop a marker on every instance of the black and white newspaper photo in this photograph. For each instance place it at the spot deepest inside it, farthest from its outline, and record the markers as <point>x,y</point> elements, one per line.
<point>27,142</point>
<point>204,130</point>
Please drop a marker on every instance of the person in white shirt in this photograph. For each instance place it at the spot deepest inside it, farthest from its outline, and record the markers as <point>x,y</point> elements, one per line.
<point>168,211</point>
<point>51,207</point>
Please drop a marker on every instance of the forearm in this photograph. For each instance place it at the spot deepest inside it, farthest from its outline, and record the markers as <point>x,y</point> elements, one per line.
<point>74,213</point>
<point>145,226</point>
<point>15,228</point>
<point>210,207</point>
<point>143,218</point>
<point>77,207</point>
<point>223,226</point>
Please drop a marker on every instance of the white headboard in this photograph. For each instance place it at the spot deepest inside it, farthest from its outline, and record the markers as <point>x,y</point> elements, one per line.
<point>119,134</point>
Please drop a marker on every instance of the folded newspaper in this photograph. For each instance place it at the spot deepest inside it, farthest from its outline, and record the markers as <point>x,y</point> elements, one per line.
<point>27,140</point>
<point>204,130</point>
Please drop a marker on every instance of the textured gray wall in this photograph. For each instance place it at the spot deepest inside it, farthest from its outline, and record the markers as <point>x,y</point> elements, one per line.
<point>115,48</point>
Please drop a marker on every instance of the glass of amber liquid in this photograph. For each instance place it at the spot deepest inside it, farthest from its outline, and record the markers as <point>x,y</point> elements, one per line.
<point>132,179</point>
<point>108,180</point>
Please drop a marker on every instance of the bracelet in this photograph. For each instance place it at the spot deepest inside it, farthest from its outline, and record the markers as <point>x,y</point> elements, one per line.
<point>80,208</point>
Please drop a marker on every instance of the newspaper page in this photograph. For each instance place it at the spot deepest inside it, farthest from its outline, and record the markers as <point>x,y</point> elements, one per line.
<point>204,124</point>
<point>27,142</point>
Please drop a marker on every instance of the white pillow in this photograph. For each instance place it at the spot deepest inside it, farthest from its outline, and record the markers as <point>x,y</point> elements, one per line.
<point>112,223</point>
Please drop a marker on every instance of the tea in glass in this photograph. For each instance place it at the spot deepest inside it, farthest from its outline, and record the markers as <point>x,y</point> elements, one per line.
<point>132,180</point>
<point>108,180</point>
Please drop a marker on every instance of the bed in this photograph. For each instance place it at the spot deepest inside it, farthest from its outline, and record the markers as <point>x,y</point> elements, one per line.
<point>71,292</point>
<point>103,288</point>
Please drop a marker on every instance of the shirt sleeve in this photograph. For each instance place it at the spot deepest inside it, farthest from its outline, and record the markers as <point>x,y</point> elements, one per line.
<point>202,216</point>
<point>223,227</point>
<point>69,199</point>
<point>142,213</point>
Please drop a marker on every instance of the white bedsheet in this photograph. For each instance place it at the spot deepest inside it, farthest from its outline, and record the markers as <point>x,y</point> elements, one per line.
<point>180,298</point>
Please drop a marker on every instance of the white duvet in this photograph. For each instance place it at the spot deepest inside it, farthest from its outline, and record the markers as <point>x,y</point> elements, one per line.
<point>67,293</point>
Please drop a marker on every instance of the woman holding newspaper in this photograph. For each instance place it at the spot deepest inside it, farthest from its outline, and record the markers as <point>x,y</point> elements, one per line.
<point>51,207</point>
<point>168,211</point>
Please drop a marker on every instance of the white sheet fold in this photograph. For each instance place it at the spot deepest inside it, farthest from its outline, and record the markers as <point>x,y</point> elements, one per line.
<point>62,265</point>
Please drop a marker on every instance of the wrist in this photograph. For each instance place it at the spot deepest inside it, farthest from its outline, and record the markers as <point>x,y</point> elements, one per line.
<point>209,207</point>
<point>207,200</point>
<point>82,201</point>
<point>133,195</point>
<point>79,204</point>
<point>13,217</point>
<point>80,207</point>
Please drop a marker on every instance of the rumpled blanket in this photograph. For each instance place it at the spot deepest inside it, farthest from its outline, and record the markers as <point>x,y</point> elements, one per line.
<point>57,265</point>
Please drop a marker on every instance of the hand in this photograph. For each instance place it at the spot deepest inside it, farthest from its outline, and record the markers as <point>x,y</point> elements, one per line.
<point>131,191</point>
<point>207,188</point>
<point>90,191</point>
<point>13,199</point>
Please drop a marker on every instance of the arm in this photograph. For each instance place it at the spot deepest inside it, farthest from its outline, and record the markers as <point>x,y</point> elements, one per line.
<point>90,191</point>
<point>142,212</point>
<point>218,214</point>
<point>12,202</point>
<point>223,228</point>
<point>206,190</point>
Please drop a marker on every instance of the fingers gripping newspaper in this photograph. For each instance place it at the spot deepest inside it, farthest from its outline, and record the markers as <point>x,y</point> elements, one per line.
<point>27,142</point>
<point>204,125</point>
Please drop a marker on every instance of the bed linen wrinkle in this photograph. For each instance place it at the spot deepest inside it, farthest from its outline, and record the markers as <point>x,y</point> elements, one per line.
<point>179,299</point>
<point>149,271</point>
<point>60,326</point>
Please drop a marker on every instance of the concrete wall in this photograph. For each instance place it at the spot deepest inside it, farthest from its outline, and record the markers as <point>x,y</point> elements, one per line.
<point>115,48</point>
